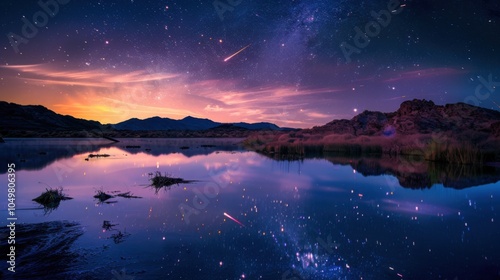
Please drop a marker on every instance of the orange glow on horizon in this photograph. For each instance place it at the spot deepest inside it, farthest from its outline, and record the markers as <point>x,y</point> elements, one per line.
<point>113,97</point>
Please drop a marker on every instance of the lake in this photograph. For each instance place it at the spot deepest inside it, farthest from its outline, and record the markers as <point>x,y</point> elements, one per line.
<point>245,215</point>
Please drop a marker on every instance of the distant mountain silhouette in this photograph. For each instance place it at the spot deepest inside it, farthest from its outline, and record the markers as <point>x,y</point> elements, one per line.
<point>37,121</point>
<point>258,126</point>
<point>188,123</point>
<point>36,118</point>
<point>157,123</point>
<point>36,155</point>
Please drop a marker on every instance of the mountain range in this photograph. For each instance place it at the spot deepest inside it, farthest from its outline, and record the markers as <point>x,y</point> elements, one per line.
<point>459,122</point>
<point>187,123</point>
<point>38,121</point>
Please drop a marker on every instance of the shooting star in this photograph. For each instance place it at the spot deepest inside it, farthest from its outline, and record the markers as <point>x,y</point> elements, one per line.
<point>234,220</point>
<point>236,53</point>
<point>495,103</point>
<point>397,97</point>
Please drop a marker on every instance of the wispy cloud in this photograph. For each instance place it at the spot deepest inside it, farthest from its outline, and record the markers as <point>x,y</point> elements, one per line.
<point>213,108</point>
<point>45,74</point>
<point>113,96</point>
<point>318,115</point>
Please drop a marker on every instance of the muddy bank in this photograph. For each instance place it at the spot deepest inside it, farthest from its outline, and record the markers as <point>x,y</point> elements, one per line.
<point>44,251</point>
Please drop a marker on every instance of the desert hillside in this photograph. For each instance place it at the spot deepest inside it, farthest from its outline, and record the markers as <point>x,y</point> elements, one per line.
<point>458,132</point>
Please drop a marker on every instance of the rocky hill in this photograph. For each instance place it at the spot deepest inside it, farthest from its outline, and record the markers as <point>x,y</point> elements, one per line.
<point>453,132</point>
<point>417,117</point>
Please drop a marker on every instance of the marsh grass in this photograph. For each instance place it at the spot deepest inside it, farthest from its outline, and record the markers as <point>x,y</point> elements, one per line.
<point>102,196</point>
<point>127,195</point>
<point>303,150</point>
<point>98,155</point>
<point>119,237</point>
<point>159,181</point>
<point>456,152</point>
<point>464,153</point>
<point>51,198</point>
<point>108,226</point>
<point>91,156</point>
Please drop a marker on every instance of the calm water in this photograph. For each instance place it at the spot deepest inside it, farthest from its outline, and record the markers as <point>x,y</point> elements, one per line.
<point>309,219</point>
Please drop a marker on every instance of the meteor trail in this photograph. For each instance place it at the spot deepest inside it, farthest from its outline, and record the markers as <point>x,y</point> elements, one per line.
<point>495,103</point>
<point>234,220</point>
<point>236,53</point>
<point>397,97</point>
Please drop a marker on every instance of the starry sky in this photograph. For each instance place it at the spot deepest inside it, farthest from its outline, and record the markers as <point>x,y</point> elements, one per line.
<point>293,63</point>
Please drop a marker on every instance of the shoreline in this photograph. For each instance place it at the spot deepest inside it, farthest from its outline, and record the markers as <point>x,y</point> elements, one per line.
<point>445,148</point>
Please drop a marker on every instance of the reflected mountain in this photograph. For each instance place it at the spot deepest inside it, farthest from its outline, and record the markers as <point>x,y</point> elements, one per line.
<point>417,173</point>
<point>189,147</point>
<point>35,154</point>
<point>410,172</point>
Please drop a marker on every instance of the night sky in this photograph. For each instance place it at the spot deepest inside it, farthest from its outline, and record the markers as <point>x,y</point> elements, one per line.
<point>293,63</point>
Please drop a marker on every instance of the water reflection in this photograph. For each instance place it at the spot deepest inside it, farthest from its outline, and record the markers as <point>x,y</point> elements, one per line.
<point>307,219</point>
<point>186,146</point>
<point>35,154</point>
<point>417,173</point>
<point>410,172</point>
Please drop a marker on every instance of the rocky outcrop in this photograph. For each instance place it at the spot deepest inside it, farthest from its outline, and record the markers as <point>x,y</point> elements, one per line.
<point>417,117</point>
<point>454,133</point>
<point>495,129</point>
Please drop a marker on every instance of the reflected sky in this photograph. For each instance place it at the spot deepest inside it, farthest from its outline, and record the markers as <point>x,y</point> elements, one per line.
<point>300,220</point>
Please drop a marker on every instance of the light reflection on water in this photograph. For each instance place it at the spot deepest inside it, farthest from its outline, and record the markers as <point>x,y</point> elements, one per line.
<point>306,219</point>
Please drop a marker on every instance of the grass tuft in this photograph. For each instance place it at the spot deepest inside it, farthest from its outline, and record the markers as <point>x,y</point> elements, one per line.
<point>51,198</point>
<point>159,181</point>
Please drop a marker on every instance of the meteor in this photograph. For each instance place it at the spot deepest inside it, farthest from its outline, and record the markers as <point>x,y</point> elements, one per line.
<point>495,103</point>
<point>236,53</point>
<point>234,220</point>
<point>397,97</point>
